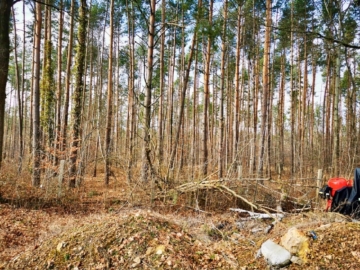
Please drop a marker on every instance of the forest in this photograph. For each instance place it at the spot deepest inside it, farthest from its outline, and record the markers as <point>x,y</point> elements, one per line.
<point>255,100</point>
<point>175,87</point>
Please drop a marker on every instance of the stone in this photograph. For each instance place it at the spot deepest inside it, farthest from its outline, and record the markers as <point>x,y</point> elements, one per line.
<point>160,249</point>
<point>275,254</point>
<point>296,242</point>
<point>296,260</point>
<point>60,246</point>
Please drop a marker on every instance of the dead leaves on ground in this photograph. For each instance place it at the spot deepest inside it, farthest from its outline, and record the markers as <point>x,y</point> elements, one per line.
<point>136,239</point>
<point>141,241</point>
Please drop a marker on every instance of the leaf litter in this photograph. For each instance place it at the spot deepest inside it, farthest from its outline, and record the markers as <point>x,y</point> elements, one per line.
<point>145,239</point>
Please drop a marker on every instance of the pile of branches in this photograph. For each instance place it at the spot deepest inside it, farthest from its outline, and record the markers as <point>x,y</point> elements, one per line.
<point>221,186</point>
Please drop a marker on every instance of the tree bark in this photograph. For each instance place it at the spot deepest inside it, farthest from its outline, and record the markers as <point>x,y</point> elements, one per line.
<point>266,87</point>
<point>205,160</point>
<point>146,159</point>
<point>36,100</point>
<point>78,93</point>
<point>19,95</point>
<point>109,97</point>
<point>162,81</point>
<point>68,77</point>
<point>5,9</point>
<point>222,93</point>
<point>59,86</point>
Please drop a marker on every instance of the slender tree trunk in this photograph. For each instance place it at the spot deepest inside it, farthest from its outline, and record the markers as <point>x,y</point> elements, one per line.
<point>336,148</point>
<point>23,105</point>
<point>47,84</point>
<point>292,98</point>
<point>19,96</point>
<point>281,116</point>
<point>328,115</point>
<point>170,102</point>
<point>130,124</point>
<point>351,110</point>
<point>205,161</point>
<point>303,119</point>
<point>312,106</point>
<point>237,87</point>
<point>36,100</point>
<point>222,93</point>
<point>99,90</point>
<point>78,93</point>
<point>109,97</point>
<point>194,113</point>
<point>146,159</point>
<point>59,85</point>
<point>266,86</point>
<point>162,80</point>
<point>68,78</point>
<point>32,90</point>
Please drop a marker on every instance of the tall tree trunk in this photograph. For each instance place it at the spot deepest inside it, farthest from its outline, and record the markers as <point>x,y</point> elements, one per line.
<point>326,114</point>
<point>205,160</point>
<point>194,113</point>
<point>68,77</point>
<point>23,105</point>
<point>281,106</point>
<point>266,86</point>
<point>146,159</point>
<point>99,90</point>
<point>170,101</point>
<point>336,148</point>
<point>47,84</point>
<point>5,9</point>
<point>222,94</point>
<point>303,119</point>
<point>237,86</point>
<point>19,96</point>
<point>78,93</point>
<point>36,100</point>
<point>109,97</point>
<point>130,123</point>
<point>59,86</point>
<point>162,80</point>
<point>312,105</point>
<point>351,110</point>
<point>292,98</point>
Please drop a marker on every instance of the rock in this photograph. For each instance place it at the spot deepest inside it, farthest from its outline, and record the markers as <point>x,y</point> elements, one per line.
<point>160,249</point>
<point>60,246</point>
<point>296,242</point>
<point>137,261</point>
<point>274,254</point>
<point>296,260</point>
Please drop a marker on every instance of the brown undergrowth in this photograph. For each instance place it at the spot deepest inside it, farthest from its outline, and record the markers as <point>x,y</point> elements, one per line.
<point>124,226</point>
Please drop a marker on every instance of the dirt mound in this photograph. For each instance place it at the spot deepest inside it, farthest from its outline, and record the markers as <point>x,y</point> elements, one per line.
<point>143,241</point>
<point>140,239</point>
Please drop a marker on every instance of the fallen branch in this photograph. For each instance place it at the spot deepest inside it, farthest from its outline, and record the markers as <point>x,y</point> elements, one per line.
<point>216,185</point>
<point>238,196</point>
<point>254,215</point>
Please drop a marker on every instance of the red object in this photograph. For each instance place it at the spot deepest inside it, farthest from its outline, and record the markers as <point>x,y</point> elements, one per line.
<point>337,183</point>
<point>328,204</point>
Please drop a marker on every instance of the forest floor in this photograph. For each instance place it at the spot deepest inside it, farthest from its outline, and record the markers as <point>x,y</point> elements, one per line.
<point>119,228</point>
